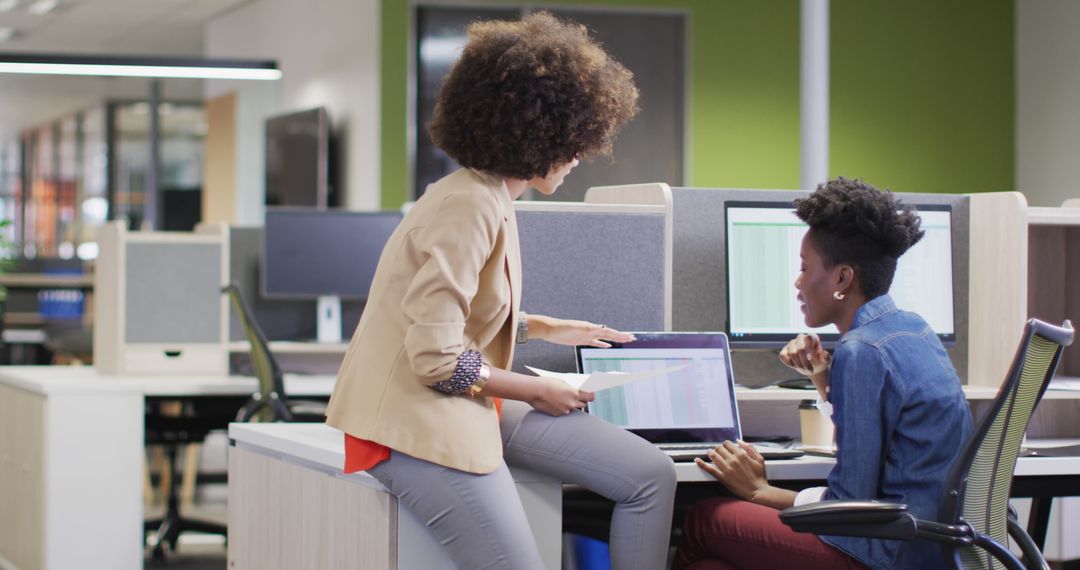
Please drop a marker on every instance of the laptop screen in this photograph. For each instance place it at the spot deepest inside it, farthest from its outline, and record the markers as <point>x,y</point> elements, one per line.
<point>694,404</point>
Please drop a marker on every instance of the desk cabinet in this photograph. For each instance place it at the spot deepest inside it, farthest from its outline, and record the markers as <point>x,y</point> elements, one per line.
<point>282,515</point>
<point>290,506</point>
<point>22,523</point>
<point>70,477</point>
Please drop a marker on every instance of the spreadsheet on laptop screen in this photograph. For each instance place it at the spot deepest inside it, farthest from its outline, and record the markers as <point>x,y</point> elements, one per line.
<point>698,396</point>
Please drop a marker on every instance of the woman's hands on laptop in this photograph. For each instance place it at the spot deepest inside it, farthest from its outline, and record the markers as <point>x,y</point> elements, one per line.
<point>742,470</point>
<point>574,333</point>
<point>805,355</point>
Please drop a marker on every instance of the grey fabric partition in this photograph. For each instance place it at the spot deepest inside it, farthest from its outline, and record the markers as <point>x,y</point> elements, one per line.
<point>604,267</point>
<point>279,319</point>
<point>173,293</point>
<point>700,277</point>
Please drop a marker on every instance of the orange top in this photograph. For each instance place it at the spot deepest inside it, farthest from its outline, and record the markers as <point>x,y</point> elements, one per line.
<point>362,454</point>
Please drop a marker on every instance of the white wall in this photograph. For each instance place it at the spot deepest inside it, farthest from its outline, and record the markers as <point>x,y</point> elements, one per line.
<point>328,52</point>
<point>1048,100</point>
<point>1048,152</point>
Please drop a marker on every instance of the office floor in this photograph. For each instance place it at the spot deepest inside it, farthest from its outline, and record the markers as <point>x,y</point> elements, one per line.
<point>198,551</point>
<point>194,557</point>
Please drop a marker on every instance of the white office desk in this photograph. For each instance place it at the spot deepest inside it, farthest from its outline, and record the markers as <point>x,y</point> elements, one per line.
<point>46,380</point>
<point>322,520</point>
<point>69,486</point>
<point>71,460</point>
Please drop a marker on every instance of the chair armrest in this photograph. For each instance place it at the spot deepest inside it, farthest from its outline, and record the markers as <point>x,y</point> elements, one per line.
<point>869,519</point>
<point>307,411</point>
<point>1032,557</point>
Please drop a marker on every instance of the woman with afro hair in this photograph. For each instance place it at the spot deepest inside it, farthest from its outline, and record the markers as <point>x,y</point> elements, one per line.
<point>425,395</point>
<point>899,412</point>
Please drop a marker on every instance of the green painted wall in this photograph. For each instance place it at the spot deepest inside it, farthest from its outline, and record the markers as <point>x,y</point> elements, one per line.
<point>922,93</point>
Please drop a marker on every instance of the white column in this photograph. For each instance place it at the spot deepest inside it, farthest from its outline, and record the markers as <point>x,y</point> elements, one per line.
<point>814,94</point>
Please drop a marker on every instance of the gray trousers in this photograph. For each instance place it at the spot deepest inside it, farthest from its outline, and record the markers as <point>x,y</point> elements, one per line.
<point>479,519</point>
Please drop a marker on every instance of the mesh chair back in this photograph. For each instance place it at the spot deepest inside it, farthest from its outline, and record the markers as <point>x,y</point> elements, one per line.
<point>266,368</point>
<point>977,489</point>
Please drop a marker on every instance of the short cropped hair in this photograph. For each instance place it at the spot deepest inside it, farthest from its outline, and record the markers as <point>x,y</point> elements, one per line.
<point>527,96</point>
<point>853,222</point>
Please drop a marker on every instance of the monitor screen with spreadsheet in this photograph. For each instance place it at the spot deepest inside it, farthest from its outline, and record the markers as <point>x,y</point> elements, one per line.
<point>763,242</point>
<point>693,404</point>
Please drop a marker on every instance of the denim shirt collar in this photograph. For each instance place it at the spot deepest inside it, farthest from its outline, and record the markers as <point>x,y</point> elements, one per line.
<point>872,310</point>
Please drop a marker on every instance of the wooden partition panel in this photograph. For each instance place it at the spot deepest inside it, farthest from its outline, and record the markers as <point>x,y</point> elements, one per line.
<point>219,167</point>
<point>998,284</point>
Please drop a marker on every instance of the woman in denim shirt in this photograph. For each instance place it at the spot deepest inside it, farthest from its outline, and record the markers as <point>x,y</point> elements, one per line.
<point>897,405</point>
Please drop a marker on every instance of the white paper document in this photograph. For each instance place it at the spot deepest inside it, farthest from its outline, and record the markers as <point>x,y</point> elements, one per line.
<point>604,380</point>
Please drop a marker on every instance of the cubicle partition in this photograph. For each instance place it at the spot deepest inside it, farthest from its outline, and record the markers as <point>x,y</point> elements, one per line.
<point>158,307</point>
<point>288,319</point>
<point>608,264</point>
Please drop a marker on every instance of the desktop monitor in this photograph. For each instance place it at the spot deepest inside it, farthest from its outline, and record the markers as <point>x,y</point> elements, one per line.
<point>763,241</point>
<point>325,255</point>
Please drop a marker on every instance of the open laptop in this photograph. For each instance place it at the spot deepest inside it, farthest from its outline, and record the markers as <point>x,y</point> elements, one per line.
<point>685,413</point>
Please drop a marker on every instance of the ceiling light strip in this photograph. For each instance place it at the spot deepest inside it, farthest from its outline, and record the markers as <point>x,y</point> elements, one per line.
<point>140,71</point>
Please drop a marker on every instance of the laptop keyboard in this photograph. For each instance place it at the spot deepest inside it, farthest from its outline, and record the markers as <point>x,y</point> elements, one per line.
<point>685,452</point>
<point>691,445</point>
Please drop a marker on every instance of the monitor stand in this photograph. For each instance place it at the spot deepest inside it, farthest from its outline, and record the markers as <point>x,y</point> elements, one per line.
<point>328,319</point>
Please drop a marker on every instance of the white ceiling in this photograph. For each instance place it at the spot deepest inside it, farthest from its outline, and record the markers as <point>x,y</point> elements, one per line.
<point>129,27</point>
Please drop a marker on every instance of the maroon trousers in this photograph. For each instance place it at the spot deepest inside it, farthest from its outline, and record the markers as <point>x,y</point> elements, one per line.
<point>733,534</point>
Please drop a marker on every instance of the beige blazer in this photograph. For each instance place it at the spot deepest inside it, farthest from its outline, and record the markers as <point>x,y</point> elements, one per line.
<point>449,280</point>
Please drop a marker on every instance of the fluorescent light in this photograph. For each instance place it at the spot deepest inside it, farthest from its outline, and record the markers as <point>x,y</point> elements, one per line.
<point>139,71</point>
<point>131,66</point>
<point>42,7</point>
<point>8,5</point>
<point>6,34</point>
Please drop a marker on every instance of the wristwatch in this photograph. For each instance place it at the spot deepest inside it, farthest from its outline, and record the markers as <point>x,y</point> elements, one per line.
<point>481,380</point>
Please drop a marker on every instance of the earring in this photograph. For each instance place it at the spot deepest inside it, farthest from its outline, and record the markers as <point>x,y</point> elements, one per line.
<point>838,296</point>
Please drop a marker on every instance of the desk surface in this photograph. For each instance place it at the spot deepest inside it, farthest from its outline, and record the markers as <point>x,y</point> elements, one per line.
<point>322,444</point>
<point>48,380</point>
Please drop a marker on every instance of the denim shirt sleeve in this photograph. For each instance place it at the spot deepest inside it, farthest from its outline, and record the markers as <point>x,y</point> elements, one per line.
<point>857,381</point>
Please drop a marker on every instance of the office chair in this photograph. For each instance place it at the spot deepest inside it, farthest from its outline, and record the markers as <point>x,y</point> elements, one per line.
<point>171,427</point>
<point>269,404</point>
<point>974,517</point>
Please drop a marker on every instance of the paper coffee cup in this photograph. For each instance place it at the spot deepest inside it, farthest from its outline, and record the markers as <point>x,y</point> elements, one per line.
<point>817,428</point>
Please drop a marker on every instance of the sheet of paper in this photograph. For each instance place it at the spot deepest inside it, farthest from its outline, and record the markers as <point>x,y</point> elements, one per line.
<point>604,380</point>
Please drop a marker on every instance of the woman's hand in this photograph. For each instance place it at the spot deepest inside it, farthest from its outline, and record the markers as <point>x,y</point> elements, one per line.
<point>574,333</point>
<point>742,470</point>
<point>557,398</point>
<point>806,356</point>
<point>739,467</point>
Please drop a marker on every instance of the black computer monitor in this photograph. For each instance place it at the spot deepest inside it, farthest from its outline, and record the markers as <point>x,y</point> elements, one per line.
<point>763,241</point>
<point>325,255</point>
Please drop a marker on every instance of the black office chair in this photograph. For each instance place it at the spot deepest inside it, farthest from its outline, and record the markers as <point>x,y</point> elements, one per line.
<point>974,518</point>
<point>269,404</point>
<point>172,424</point>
